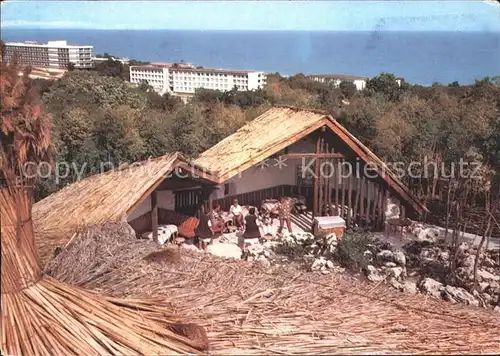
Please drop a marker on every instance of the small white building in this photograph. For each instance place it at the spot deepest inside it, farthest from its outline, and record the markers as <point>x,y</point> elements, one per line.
<point>53,54</point>
<point>336,79</point>
<point>105,59</point>
<point>183,78</point>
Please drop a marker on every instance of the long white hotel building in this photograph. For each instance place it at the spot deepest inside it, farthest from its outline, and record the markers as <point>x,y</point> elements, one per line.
<point>54,54</point>
<point>183,78</point>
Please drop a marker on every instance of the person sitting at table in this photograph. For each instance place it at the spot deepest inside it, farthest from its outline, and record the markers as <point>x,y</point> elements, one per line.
<point>216,220</point>
<point>237,211</point>
<point>204,233</point>
<point>252,224</point>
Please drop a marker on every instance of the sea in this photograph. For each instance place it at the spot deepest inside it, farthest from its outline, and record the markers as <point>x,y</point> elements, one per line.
<point>420,57</point>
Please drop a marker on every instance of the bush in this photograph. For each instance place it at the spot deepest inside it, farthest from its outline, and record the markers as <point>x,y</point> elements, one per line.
<point>351,249</point>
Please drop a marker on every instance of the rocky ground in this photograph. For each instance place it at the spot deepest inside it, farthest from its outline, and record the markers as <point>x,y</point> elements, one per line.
<point>421,266</point>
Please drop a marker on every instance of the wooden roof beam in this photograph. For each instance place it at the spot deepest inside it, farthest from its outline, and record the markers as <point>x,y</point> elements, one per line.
<point>312,155</point>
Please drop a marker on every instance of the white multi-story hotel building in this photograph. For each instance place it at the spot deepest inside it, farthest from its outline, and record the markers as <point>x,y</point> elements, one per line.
<point>336,79</point>
<point>54,54</point>
<point>184,78</point>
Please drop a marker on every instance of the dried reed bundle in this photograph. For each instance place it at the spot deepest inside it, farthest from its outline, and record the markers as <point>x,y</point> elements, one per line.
<point>42,316</point>
<point>167,255</point>
<point>247,309</point>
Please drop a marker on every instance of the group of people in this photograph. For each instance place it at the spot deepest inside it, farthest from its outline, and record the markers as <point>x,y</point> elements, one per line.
<point>212,223</point>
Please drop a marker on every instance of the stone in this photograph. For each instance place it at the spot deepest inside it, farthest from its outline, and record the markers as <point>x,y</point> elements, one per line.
<point>496,309</point>
<point>225,250</point>
<point>396,272</point>
<point>431,287</point>
<point>396,284</point>
<point>427,234</point>
<point>467,261</point>
<point>410,287</point>
<point>331,238</point>
<point>464,273</point>
<point>399,258</point>
<point>462,250</point>
<point>268,254</point>
<point>368,255</point>
<point>318,263</point>
<point>372,274</point>
<point>385,255</point>
<point>488,262</point>
<point>390,264</point>
<point>444,256</point>
<point>330,264</point>
<point>325,271</point>
<point>486,276</point>
<point>270,244</point>
<point>459,295</point>
<point>264,262</point>
<point>302,236</point>
<point>483,286</point>
<point>487,298</point>
<point>255,249</point>
<point>190,248</point>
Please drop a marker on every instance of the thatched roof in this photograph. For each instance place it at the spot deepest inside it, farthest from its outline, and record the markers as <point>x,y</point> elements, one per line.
<point>248,308</point>
<point>278,128</point>
<point>43,316</point>
<point>109,196</point>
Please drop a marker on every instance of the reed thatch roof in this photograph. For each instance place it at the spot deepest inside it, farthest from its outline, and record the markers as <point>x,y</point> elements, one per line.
<point>42,316</point>
<point>251,309</point>
<point>277,129</point>
<point>109,196</point>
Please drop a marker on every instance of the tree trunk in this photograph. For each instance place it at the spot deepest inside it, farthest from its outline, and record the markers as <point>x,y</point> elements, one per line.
<point>487,232</point>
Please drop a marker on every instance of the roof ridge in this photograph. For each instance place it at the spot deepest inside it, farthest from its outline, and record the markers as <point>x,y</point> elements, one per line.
<point>296,108</point>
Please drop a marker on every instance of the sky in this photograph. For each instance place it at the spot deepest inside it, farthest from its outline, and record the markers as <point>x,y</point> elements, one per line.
<point>361,15</point>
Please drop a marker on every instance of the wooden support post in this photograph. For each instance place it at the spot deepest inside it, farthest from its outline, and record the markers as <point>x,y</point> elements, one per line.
<point>154,215</point>
<point>375,203</point>
<point>316,179</point>
<point>323,200</point>
<point>356,199</point>
<point>369,193</point>
<point>342,188</point>
<point>211,199</point>
<point>362,200</point>
<point>320,195</point>
<point>336,179</point>
<point>386,197</point>
<point>331,187</point>
<point>381,206</point>
<point>326,180</point>
<point>349,200</point>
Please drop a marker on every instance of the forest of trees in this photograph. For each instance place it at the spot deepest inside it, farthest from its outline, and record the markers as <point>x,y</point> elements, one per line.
<point>98,116</point>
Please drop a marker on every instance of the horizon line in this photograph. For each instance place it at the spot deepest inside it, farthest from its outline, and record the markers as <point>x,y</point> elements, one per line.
<point>236,30</point>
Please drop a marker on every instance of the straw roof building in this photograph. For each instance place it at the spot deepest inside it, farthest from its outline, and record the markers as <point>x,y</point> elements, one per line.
<point>295,137</point>
<point>131,192</point>
<point>142,193</point>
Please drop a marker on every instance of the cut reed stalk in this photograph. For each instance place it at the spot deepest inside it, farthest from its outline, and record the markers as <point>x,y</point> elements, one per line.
<point>42,316</point>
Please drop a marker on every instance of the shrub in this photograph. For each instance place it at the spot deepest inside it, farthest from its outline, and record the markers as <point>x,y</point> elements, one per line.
<point>351,249</point>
